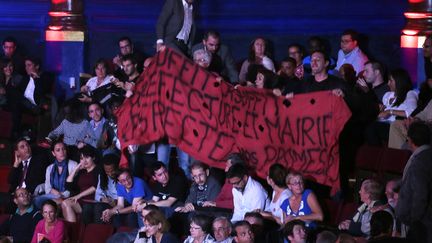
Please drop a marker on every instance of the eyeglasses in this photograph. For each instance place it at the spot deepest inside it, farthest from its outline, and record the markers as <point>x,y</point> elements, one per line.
<point>201,175</point>
<point>22,195</point>
<point>296,183</point>
<point>128,178</point>
<point>236,183</point>
<point>194,227</point>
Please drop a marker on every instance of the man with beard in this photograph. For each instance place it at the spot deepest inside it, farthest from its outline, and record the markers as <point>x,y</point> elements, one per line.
<point>222,61</point>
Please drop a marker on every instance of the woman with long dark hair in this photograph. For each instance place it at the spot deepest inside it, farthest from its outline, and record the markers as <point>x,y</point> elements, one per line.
<point>258,54</point>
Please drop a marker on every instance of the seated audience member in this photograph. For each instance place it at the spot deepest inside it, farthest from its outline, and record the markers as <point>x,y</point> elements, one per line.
<point>348,74</point>
<point>425,94</point>
<point>302,204</point>
<point>414,203</point>
<point>326,237</point>
<point>35,87</point>
<point>27,170</point>
<point>258,54</point>
<point>265,79</point>
<point>256,220</point>
<point>423,112</point>
<point>126,48</point>
<point>155,229</point>
<point>248,194</point>
<point>169,191</point>
<point>130,190</point>
<point>21,224</point>
<point>243,233</point>
<point>140,233</point>
<point>50,228</point>
<point>370,194</point>
<point>100,81</point>
<point>204,188</point>
<point>222,229</point>
<point>350,51</point>
<point>222,61</point>
<point>130,69</point>
<point>106,192</point>
<point>346,238</point>
<point>288,82</point>
<point>296,51</point>
<point>399,102</point>
<point>371,86</point>
<point>276,179</point>
<point>99,125</point>
<point>202,57</point>
<point>56,174</point>
<point>76,130</point>
<point>392,193</point>
<point>81,182</point>
<point>9,47</point>
<point>374,81</point>
<point>295,231</point>
<point>200,229</point>
<point>9,93</point>
<point>225,197</point>
<point>381,229</point>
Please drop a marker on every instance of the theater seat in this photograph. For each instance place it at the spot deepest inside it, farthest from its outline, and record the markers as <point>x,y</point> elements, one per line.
<point>74,231</point>
<point>348,210</point>
<point>331,210</point>
<point>394,160</point>
<point>368,158</point>
<point>97,233</point>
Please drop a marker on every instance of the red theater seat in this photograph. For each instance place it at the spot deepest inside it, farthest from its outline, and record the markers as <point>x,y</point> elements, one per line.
<point>97,233</point>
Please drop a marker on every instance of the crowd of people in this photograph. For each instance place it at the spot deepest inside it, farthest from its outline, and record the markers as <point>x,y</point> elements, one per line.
<point>74,176</point>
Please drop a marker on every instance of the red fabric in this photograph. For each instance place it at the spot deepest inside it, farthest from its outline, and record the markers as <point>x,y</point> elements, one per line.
<point>209,120</point>
<point>225,197</point>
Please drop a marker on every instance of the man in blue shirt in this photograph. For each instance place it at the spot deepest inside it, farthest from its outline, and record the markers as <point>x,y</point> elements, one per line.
<point>130,191</point>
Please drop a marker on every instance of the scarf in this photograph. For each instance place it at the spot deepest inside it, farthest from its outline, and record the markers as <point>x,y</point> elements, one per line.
<point>58,180</point>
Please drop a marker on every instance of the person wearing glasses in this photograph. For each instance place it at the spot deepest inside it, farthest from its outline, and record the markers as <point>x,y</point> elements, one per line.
<point>200,229</point>
<point>21,224</point>
<point>302,204</point>
<point>130,191</point>
<point>350,52</point>
<point>248,194</point>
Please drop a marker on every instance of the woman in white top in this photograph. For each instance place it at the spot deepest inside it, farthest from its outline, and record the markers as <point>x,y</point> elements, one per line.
<point>401,100</point>
<point>258,54</point>
<point>276,179</point>
<point>102,78</point>
<point>200,229</point>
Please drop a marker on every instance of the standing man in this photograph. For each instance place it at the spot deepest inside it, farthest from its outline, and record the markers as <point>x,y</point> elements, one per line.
<point>222,61</point>
<point>350,52</point>
<point>175,27</point>
<point>415,197</point>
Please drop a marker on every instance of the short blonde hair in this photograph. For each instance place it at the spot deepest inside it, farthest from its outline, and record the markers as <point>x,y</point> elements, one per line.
<point>292,175</point>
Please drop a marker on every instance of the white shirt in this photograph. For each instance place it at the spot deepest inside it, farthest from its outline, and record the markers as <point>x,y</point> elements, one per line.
<point>29,91</point>
<point>253,197</point>
<point>187,22</point>
<point>92,83</point>
<point>356,58</point>
<point>275,207</point>
<point>227,240</point>
<point>408,105</point>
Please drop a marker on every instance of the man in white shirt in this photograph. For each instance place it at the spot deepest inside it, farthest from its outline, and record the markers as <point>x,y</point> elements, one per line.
<point>248,194</point>
<point>350,52</point>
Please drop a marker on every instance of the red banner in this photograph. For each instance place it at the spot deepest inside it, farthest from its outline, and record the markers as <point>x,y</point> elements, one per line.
<point>210,119</point>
